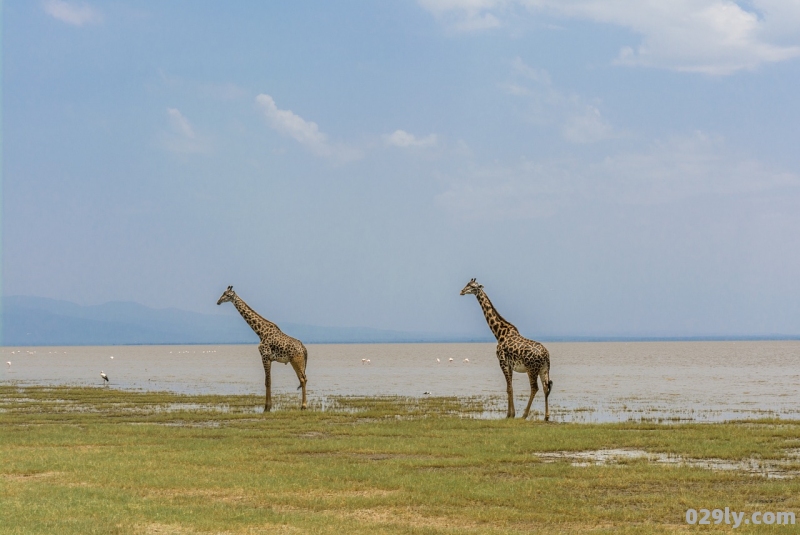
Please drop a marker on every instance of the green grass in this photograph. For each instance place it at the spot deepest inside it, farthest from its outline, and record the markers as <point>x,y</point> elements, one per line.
<point>98,460</point>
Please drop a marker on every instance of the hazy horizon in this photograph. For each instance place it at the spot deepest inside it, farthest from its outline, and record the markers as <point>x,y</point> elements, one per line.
<point>602,168</point>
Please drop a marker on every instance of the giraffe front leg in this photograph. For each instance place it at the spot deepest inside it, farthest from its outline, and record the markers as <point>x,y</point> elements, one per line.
<point>268,384</point>
<point>509,373</point>
<point>267,362</point>
<point>534,389</point>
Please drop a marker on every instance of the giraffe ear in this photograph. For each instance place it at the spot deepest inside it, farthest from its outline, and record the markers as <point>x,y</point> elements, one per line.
<point>473,279</point>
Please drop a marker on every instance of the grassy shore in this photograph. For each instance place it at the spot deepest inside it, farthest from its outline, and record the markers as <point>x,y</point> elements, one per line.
<point>98,460</point>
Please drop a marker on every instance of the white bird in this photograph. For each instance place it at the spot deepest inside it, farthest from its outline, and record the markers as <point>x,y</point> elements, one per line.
<point>368,362</point>
<point>9,363</point>
<point>466,360</point>
<point>104,376</point>
<point>437,360</point>
<point>451,359</point>
<point>112,356</point>
<point>363,361</point>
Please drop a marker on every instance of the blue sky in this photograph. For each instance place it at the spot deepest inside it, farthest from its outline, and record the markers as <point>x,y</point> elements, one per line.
<point>603,167</point>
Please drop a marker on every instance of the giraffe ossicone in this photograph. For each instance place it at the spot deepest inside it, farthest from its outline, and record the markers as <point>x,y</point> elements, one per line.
<point>275,345</point>
<point>515,353</point>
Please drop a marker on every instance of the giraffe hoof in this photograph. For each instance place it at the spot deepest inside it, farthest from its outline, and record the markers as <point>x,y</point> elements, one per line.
<point>546,418</point>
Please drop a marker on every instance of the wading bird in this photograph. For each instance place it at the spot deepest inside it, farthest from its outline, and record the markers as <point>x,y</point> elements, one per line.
<point>104,376</point>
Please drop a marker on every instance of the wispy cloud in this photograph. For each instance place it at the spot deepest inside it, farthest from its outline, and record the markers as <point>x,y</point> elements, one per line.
<point>77,15</point>
<point>466,15</point>
<point>578,120</point>
<point>181,138</point>
<point>682,167</point>
<point>401,138</point>
<point>224,91</point>
<point>668,171</point>
<point>180,124</point>
<point>307,133</point>
<point>715,37</point>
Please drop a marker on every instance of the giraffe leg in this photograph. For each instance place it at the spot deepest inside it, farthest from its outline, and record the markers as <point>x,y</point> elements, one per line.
<point>268,384</point>
<point>547,385</point>
<point>509,373</point>
<point>302,377</point>
<point>534,389</point>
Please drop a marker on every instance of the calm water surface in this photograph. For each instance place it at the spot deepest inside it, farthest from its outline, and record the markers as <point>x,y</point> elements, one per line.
<point>609,381</point>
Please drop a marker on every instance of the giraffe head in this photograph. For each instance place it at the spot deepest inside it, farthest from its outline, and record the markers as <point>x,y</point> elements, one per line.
<point>227,295</point>
<point>472,287</point>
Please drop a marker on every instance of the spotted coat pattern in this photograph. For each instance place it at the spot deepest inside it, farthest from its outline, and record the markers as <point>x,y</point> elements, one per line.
<point>515,353</point>
<point>275,345</point>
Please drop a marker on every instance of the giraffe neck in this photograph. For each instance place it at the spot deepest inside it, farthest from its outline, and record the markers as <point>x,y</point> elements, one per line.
<point>499,326</point>
<point>253,319</point>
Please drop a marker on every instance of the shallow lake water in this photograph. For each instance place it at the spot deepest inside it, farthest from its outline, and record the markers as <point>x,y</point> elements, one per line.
<point>593,381</point>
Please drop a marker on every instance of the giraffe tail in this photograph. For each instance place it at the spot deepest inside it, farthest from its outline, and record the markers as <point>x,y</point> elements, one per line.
<point>549,386</point>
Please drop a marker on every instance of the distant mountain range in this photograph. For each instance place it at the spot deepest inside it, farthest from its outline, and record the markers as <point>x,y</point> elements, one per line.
<point>38,321</point>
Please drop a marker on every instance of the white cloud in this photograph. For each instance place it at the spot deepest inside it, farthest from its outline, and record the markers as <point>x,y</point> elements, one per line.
<point>77,15</point>
<point>668,171</point>
<point>401,138</point>
<point>465,15</point>
<point>586,126</point>
<point>306,133</point>
<point>578,121</point>
<point>683,167</point>
<point>715,37</point>
<point>211,90</point>
<point>180,124</point>
<point>182,137</point>
<point>524,191</point>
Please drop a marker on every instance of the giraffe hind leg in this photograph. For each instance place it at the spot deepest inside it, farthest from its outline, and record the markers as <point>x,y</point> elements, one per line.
<point>302,377</point>
<point>547,384</point>
<point>534,389</point>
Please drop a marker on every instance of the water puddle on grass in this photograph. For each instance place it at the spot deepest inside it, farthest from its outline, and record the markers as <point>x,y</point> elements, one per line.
<point>772,469</point>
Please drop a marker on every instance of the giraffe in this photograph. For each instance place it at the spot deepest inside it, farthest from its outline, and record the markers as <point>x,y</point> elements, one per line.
<point>274,346</point>
<point>515,353</point>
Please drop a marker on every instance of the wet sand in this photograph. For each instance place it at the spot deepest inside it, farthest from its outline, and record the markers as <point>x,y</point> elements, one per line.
<point>593,382</point>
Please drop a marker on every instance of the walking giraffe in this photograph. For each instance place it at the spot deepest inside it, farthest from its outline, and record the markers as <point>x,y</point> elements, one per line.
<point>515,353</point>
<point>274,346</point>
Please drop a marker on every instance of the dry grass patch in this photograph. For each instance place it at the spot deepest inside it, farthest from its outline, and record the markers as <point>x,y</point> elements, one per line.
<point>117,462</point>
